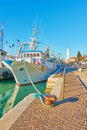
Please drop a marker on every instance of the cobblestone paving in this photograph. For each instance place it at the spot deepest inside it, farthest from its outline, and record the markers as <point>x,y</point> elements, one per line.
<point>82,75</point>
<point>67,114</point>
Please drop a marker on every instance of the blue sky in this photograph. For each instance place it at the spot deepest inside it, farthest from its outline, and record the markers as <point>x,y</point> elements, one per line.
<point>62,23</point>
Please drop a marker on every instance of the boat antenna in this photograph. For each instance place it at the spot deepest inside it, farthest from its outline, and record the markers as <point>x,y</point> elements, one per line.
<point>35,31</point>
<point>2,33</point>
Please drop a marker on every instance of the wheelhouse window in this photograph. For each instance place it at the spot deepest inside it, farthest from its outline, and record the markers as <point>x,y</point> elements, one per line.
<point>28,55</point>
<point>34,55</point>
<point>25,55</point>
<point>38,54</point>
<point>31,55</point>
<point>2,54</point>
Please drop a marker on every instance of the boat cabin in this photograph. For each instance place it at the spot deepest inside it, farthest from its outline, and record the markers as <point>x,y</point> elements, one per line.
<point>2,55</point>
<point>32,56</point>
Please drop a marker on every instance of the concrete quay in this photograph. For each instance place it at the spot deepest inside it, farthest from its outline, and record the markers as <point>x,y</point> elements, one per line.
<point>67,114</point>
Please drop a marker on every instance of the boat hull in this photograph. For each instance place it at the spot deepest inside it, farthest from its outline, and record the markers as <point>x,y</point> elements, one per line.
<point>5,73</point>
<point>27,73</point>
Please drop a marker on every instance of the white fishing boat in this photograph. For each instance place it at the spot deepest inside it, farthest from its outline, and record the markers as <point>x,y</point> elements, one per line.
<point>31,64</point>
<point>5,73</point>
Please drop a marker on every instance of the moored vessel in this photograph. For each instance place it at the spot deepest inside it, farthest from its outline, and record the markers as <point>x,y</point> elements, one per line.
<point>31,64</point>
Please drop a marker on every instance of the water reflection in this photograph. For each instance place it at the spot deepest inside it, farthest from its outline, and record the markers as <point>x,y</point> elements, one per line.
<point>10,102</point>
<point>11,94</point>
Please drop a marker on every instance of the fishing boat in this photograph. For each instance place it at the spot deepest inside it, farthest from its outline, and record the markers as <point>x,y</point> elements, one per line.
<point>5,73</point>
<point>31,65</point>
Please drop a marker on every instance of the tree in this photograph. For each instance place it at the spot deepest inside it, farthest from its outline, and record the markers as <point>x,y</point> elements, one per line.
<point>79,56</point>
<point>47,53</point>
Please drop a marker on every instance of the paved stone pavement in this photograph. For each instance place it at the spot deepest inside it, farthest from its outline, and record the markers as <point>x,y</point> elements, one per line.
<point>67,114</point>
<point>82,75</point>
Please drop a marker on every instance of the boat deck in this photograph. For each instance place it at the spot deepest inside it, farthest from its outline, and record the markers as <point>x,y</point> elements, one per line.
<point>67,114</point>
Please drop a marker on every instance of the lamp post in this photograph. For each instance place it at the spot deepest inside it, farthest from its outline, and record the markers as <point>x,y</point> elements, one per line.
<point>63,85</point>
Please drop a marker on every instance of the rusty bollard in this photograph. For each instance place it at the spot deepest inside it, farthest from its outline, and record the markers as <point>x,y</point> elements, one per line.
<point>49,99</point>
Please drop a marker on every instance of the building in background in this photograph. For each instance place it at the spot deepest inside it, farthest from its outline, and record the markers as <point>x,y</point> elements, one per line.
<point>68,54</point>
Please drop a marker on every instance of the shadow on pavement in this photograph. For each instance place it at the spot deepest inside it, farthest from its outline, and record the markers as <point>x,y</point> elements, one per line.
<point>66,100</point>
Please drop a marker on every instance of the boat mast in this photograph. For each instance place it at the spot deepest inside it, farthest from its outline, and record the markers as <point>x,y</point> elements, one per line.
<point>35,31</point>
<point>34,42</point>
<point>2,34</point>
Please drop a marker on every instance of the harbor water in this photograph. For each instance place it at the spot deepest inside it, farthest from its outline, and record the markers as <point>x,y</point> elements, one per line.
<point>11,94</point>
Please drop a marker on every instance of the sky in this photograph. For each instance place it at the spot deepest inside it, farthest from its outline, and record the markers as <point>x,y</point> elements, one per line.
<point>62,24</point>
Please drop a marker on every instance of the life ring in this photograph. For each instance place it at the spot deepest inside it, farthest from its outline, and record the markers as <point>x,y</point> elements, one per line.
<point>5,74</point>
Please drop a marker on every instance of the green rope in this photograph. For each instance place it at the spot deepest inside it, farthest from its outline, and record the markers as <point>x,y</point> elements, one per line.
<point>31,80</point>
<point>41,96</point>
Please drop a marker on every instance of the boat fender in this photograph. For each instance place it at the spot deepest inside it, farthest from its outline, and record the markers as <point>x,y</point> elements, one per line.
<point>37,62</point>
<point>42,67</point>
<point>5,74</point>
